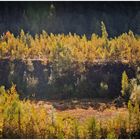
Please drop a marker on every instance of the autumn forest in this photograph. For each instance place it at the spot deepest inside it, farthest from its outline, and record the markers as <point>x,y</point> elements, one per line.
<point>61,85</point>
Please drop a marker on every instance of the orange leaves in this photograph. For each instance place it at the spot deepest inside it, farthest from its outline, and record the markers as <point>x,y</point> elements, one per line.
<point>8,34</point>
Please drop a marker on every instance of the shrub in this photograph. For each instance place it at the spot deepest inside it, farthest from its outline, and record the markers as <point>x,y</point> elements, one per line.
<point>23,119</point>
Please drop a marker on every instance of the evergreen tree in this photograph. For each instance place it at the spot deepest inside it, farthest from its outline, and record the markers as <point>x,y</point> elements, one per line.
<point>105,39</point>
<point>125,84</point>
<point>104,31</point>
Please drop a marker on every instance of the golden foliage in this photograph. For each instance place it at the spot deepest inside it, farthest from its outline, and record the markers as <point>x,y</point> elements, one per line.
<point>24,119</point>
<point>51,47</point>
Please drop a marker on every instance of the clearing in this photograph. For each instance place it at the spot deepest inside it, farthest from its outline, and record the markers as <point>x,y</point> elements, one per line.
<point>84,108</point>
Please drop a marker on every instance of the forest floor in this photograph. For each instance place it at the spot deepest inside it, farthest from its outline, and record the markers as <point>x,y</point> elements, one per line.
<point>82,109</point>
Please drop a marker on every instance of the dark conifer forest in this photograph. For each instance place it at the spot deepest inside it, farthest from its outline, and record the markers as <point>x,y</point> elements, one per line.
<point>64,17</point>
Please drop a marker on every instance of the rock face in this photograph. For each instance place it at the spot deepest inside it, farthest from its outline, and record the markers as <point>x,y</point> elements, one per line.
<point>37,80</point>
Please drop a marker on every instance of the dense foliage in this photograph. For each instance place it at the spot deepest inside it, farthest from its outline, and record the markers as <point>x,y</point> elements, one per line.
<point>69,61</point>
<point>23,119</point>
<point>68,49</point>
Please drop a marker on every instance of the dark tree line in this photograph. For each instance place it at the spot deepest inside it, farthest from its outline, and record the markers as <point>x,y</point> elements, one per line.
<point>65,17</point>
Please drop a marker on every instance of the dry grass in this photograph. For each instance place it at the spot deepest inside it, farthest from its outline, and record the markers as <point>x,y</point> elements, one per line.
<point>101,109</point>
<point>83,114</point>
